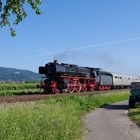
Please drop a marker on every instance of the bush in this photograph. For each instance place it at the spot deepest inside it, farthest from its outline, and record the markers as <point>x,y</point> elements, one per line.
<point>135,114</point>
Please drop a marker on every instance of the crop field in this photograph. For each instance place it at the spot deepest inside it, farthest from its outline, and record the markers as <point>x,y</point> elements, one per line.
<point>53,119</point>
<point>17,88</point>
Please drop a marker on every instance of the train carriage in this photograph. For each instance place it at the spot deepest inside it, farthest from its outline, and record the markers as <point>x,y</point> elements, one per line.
<point>123,81</point>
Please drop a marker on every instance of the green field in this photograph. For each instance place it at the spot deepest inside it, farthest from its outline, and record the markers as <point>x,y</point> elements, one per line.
<point>53,119</point>
<point>15,88</point>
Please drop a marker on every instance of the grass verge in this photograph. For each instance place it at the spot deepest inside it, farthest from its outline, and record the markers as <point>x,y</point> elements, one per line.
<point>135,114</point>
<point>52,119</point>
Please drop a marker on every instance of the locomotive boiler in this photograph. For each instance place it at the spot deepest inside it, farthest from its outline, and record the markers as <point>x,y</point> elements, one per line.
<point>66,78</point>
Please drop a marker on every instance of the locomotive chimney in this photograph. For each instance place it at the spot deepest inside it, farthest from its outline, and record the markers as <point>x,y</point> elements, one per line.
<point>55,61</point>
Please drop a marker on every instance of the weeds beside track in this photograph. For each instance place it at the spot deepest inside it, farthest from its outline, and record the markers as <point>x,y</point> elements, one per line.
<point>134,114</point>
<point>52,119</point>
<point>33,96</point>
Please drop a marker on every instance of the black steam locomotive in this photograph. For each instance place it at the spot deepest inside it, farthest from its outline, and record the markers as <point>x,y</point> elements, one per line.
<point>66,78</point>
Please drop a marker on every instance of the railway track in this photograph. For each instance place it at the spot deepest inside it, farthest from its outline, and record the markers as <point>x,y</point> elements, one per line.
<point>40,96</point>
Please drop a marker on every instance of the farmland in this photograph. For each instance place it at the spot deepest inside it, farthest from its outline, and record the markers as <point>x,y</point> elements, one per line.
<point>53,119</point>
<point>17,88</point>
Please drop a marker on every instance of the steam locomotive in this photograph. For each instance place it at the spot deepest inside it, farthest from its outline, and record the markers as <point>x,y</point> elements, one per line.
<point>60,78</point>
<point>67,78</point>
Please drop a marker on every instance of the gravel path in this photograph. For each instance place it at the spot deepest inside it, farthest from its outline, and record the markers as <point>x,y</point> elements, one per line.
<point>111,123</point>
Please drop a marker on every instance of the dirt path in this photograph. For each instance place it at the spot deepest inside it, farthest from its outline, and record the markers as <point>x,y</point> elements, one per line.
<point>111,123</point>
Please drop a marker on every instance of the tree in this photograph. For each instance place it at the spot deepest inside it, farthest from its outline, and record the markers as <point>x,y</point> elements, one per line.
<point>16,8</point>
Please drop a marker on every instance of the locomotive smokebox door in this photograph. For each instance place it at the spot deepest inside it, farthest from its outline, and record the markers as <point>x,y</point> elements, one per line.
<point>135,94</point>
<point>42,70</point>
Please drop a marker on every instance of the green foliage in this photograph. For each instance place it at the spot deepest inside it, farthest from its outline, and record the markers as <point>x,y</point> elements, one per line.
<point>135,114</point>
<point>7,89</point>
<point>52,119</point>
<point>40,122</point>
<point>16,8</point>
<point>13,33</point>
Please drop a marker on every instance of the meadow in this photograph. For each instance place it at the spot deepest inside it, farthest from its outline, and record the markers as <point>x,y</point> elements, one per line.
<point>53,119</point>
<point>17,88</point>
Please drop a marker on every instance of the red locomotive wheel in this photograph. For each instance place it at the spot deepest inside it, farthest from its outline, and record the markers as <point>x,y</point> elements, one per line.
<point>55,91</point>
<point>71,89</point>
<point>92,89</point>
<point>78,88</point>
<point>84,88</point>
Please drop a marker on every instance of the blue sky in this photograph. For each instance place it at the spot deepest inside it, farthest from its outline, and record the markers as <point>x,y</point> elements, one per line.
<point>97,33</point>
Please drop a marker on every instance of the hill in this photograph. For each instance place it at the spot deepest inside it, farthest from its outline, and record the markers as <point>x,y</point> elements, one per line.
<point>12,74</point>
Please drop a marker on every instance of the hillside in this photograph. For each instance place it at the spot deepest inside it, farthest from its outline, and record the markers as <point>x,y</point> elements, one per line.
<point>12,74</point>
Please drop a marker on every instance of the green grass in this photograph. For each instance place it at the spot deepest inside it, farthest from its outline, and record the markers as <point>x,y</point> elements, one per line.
<point>8,89</point>
<point>135,114</point>
<point>53,119</point>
